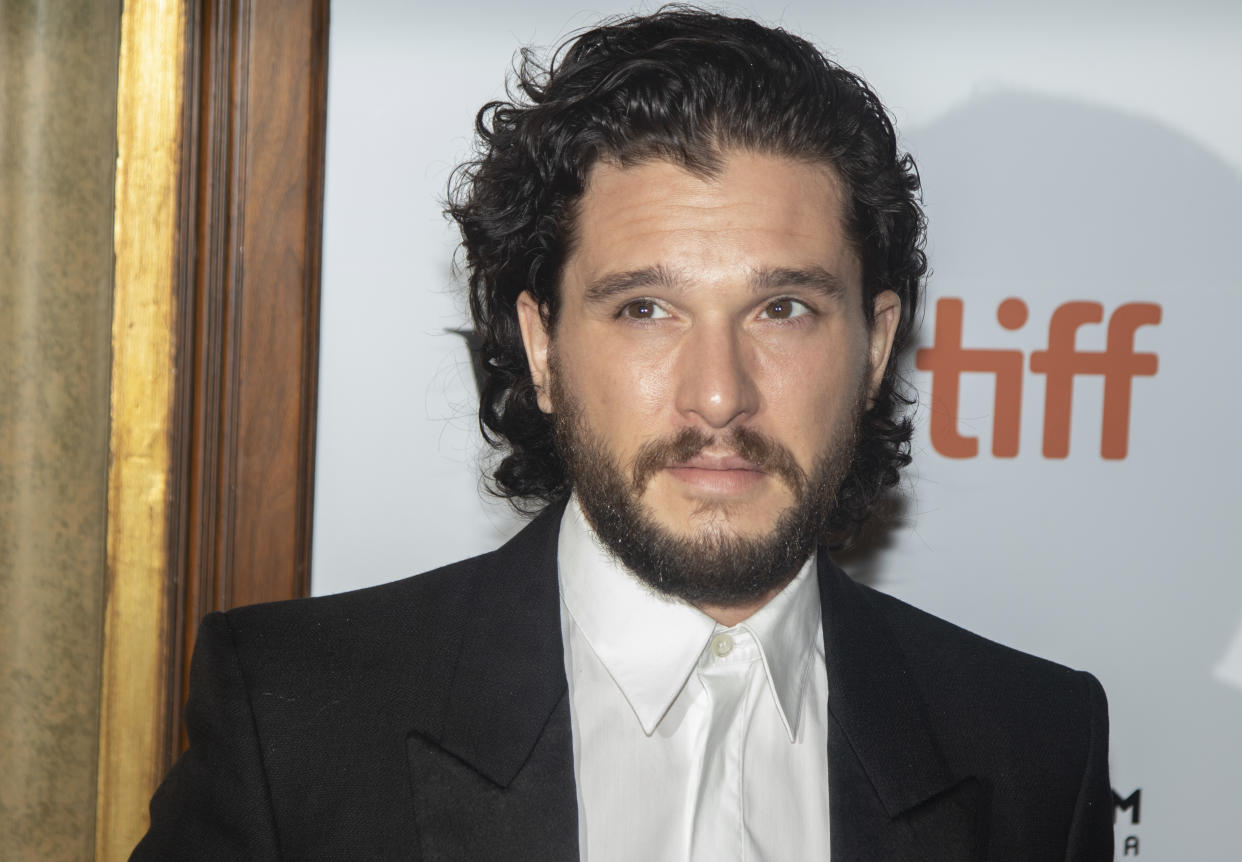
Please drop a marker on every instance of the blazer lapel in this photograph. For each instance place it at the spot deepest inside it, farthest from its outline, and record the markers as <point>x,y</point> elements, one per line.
<point>495,779</point>
<point>891,795</point>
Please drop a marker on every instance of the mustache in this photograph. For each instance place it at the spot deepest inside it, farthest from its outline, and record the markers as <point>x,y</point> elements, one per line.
<point>756,447</point>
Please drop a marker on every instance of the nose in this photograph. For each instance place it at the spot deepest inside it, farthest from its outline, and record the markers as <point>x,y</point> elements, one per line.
<point>715,385</point>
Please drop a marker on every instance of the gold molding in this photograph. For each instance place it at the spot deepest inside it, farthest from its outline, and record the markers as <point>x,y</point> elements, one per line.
<point>137,613</point>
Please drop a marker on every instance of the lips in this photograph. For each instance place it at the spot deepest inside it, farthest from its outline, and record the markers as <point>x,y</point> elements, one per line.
<point>723,464</point>
<point>703,461</point>
<point>723,475</point>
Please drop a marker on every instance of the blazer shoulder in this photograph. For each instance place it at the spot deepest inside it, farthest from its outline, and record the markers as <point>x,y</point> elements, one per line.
<point>985,696</point>
<point>418,595</point>
<point>415,606</point>
<point>400,627</point>
<point>938,645</point>
<point>531,553</point>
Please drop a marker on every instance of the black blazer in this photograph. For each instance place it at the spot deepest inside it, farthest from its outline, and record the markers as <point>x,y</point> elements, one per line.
<point>428,719</point>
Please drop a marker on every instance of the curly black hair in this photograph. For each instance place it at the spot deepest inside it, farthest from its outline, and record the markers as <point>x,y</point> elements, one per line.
<point>684,85</point>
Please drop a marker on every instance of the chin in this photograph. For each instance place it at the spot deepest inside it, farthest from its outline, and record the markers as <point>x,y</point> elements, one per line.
<point>714,517</point>
<point>711,516</point>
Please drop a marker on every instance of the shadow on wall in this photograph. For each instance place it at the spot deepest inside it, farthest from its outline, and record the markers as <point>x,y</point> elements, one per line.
<point>1039,192</point>
<point>1034,197</point>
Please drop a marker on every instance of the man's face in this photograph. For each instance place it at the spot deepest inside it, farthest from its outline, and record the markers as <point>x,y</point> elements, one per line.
<point>711,355</point>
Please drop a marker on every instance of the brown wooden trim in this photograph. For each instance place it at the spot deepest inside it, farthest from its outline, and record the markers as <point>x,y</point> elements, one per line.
<point>253,209</point>
<point>316,160</point>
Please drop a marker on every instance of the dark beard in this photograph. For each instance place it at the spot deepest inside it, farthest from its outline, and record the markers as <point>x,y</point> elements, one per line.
<point>716,567</point>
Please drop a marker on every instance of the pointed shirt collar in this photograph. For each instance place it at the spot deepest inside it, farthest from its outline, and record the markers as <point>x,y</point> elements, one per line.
<point>650,643</point>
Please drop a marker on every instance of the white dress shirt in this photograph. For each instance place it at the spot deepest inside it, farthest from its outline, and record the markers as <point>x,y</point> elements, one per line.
<point>692,741</point>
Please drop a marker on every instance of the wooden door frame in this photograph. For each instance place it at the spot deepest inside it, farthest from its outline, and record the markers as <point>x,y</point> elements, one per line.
<point>222,104</point>
<point>252,219</point>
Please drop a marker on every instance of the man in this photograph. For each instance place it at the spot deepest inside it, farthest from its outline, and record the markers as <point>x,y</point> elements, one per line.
<point>693,251</point>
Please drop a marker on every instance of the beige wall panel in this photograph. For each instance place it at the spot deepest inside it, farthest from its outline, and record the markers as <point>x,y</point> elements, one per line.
<point>58,73</point>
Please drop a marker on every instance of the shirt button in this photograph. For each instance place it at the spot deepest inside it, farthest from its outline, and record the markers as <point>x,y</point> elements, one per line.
<point>722,645</point>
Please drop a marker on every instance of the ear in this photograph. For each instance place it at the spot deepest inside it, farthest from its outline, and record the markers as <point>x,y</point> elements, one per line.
<point>535,340</point>
<point>885,314</point>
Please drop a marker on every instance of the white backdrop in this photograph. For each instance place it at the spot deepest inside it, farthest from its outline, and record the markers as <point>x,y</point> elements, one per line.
<point>1068,155</point>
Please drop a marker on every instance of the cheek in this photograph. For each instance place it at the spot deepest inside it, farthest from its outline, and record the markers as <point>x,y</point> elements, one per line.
<point>621,391</point>
<point>807,395</point>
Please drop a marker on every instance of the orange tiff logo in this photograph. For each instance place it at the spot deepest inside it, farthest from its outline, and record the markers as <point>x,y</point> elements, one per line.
<point>1118,364</point>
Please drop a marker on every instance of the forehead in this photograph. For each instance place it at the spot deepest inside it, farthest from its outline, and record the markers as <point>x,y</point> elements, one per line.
<point>758,210</point>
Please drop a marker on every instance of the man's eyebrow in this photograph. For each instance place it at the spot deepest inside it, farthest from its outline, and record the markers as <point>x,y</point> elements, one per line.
<point>762,280</point>
<point>815,277</point>
<point>607,286</point>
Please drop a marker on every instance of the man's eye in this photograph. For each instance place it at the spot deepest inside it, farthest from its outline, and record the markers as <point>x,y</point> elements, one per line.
<point>643,309</point>
<point>784,309</point>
